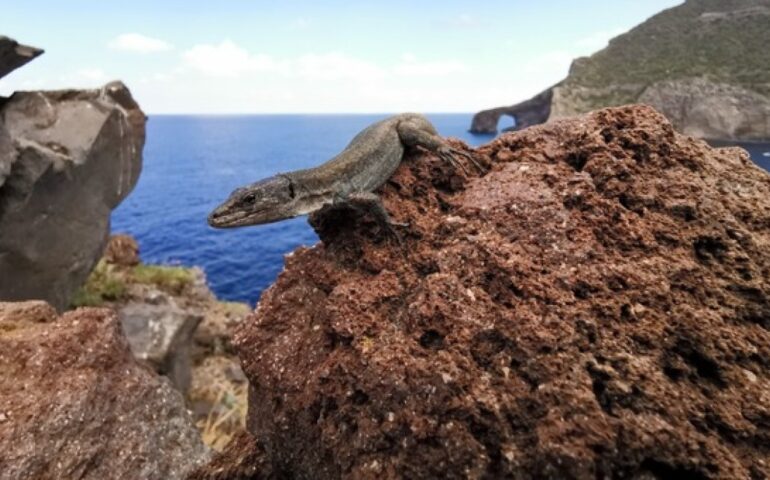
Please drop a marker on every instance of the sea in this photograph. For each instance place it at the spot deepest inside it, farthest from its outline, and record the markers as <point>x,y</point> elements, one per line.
<point>193,162</point>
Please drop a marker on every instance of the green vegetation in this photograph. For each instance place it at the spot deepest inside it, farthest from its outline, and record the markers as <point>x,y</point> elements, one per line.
<point>172,279</point>
<point>108,283</point>
<point>104,284</point>
<point>724,40</point>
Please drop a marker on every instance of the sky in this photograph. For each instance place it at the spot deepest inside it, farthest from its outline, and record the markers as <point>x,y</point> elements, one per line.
<point>249,56</point>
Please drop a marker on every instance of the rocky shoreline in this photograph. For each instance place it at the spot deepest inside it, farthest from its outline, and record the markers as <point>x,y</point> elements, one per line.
<point>595,303</point>
<point>683,62</point>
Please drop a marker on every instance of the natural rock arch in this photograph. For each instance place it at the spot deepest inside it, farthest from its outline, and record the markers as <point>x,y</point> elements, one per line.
<point>530,112</point>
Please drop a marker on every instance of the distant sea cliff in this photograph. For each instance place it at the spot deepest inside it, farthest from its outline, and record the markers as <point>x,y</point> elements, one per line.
<point>704,64</point>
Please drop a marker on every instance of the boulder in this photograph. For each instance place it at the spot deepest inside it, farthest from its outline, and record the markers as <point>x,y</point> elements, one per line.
<point>67,158</point>
<point>161,334</point>
<point>13,55</point>
<point>75,404</point>
<point>595,305</point>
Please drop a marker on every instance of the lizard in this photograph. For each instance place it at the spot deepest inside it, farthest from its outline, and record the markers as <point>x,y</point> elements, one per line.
<point>350,177</point>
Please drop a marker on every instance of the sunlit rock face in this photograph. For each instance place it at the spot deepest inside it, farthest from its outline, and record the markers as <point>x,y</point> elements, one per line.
<point>594,305</point>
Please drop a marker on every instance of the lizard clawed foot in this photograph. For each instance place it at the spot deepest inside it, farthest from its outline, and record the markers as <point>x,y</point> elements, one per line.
<point>469,157</point>
<point>389,225</point>
<point>393,233</point>
<point>448,154</point>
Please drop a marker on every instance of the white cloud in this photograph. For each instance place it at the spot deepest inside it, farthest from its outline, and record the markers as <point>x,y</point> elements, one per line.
<point>135,42</point>
<point>227,60</point>
<point>335,66</point>
<point>93,74</point>
<point>334,82</point>
<point>87,77</point>
<point>411,67</point>
<point>554,62</point>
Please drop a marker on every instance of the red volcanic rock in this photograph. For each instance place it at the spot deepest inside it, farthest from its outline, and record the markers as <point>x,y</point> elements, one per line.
<point>75,404</point>
<point>244,459</point>
<point>595,306</point>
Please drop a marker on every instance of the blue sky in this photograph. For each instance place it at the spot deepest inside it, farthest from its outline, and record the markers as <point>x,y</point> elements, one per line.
<point>240,56</point>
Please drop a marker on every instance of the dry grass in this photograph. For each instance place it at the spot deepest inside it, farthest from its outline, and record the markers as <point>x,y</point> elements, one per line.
<point>219,400</point>
<point>227,418</point>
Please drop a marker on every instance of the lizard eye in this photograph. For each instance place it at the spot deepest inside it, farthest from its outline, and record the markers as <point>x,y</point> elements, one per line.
<point>249,199</point>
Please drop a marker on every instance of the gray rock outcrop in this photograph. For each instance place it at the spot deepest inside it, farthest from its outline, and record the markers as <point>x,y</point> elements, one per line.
<point>534,111</point>
<point>701,108</point>
<point>13,55</point>
<point>67,159</point>
<point>74,403</point>
<point>161,334</point>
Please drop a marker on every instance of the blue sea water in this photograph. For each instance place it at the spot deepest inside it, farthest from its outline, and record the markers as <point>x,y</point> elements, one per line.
<point>192,163</point>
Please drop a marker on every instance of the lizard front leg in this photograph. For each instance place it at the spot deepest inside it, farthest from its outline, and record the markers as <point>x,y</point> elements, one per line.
<point>352,206</point>
<point>367,202</point>
<point>370,203</point>
<point>422,134</point>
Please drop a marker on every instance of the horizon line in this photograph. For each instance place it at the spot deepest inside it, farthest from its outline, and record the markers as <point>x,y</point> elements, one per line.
<point>223,114</point>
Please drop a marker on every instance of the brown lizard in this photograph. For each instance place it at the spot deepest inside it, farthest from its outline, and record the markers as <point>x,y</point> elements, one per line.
<point>364,165</point>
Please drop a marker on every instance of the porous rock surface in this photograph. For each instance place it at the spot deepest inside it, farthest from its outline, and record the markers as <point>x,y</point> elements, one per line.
<point>67,159</point>
<point>595,306</point>
<point>75,404</point>
<point>244,459</point>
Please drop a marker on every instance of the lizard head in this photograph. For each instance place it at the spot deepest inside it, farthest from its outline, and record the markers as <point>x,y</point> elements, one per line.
<point>265,201</point>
